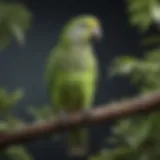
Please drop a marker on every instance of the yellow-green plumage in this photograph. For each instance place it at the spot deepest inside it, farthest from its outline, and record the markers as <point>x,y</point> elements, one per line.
<point>72,75</point>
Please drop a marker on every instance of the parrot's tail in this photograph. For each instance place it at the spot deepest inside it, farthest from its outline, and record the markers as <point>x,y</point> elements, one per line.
<point>77,142</point>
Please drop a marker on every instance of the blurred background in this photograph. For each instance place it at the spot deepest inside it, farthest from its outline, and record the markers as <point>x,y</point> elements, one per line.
<point>22,66</point>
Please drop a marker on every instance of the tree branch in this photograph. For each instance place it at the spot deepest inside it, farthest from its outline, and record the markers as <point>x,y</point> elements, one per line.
<point>117,110</point>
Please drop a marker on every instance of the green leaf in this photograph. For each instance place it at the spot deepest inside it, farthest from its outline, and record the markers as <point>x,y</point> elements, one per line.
<point>151,40</point>
<point>142,13</point>
<point>123,65</point>
<point>9,99</point>
<point>15,21</point>
<point>42,113</point>
<point>18,153</point>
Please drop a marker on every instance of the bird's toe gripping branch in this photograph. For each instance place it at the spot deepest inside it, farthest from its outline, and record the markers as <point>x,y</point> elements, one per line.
<point>86,114</point>
<point>63,116</point>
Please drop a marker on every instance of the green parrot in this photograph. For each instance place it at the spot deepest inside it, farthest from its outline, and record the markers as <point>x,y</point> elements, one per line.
<point>72,74</point>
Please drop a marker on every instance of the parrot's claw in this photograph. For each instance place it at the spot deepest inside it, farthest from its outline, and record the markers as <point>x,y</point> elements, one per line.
<point>86,113</point>
<point>63,116</point>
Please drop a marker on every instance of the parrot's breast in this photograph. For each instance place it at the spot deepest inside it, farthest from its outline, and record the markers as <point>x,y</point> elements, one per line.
<point>72,77</point>
<point>74,90</point>
<point>78,60</point>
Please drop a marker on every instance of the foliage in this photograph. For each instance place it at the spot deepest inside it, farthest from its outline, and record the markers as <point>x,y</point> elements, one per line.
<point>16,153</point>
<point>143,72</point>
<point>15,20</point>
<point>143,13</point>
<point>137,138</point>
<point>45,112</point>
<point>9,122</point>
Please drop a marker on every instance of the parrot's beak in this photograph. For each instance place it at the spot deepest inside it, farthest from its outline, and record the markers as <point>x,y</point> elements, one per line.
<point>97,34</point>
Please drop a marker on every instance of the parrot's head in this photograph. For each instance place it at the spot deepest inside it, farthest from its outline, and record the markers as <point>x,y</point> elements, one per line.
<point>82,29</point>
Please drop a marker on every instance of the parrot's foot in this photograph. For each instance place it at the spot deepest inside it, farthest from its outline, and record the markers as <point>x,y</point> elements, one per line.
<point>77,152</point>
<point>86,113</point>
<point>63,116</point>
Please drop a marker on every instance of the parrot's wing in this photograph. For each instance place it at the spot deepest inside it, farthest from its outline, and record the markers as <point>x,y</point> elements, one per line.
<point>52,68</point>
<point>56,63</point>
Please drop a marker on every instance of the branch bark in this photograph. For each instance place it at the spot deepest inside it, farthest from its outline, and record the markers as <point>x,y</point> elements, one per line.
<point>100,114</point>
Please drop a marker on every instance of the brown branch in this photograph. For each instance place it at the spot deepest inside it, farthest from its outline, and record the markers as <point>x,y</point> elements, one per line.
<point>141,104</point>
